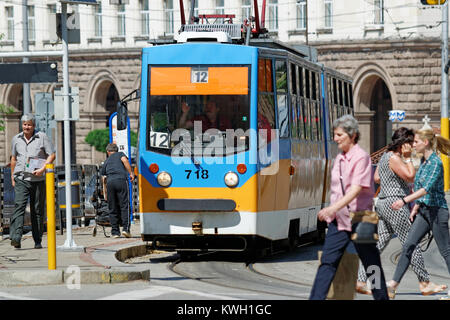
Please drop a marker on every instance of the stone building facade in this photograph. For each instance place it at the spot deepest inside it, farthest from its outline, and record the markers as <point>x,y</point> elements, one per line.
<point>391,50</point>
<point>403,75</point>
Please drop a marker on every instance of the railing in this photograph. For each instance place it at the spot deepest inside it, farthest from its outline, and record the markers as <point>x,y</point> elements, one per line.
<point>85,182</point>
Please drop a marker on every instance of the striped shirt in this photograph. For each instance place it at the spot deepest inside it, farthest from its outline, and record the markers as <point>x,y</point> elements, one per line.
<point>430,176</point>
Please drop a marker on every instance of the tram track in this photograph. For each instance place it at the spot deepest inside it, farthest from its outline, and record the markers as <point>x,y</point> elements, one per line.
<point>243,276</point>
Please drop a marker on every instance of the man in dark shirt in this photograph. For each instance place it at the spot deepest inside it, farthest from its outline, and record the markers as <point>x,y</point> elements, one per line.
<point>115,169</point>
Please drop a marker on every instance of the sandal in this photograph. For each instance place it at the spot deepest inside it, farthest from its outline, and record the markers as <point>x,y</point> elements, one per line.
<point>391,292</point>
<point>435,288</point>
<point>363,289</point>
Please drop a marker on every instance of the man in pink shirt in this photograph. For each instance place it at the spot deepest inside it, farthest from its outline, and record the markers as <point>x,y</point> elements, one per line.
<point>355,168</point>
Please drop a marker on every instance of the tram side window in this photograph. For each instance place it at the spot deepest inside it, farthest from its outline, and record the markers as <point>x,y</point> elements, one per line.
<point>265,75</point>
<point>266,101</point>
<point>347,104</point>
<point>330,106</point>
<point>301,117</point>
<point>301,82</point>
<point>307,85</point>
<point>281,76</point>
<point>319,122</point>
<point>266,117</point>
<point>294,118</point>
<point>316,105</point>
<point>281,81</point>
<point>350,92</point>
<point>307,119</point>
<point>341,91</point>
<point>293,79</point>
<point>314,131</point>
<point>314,86</point>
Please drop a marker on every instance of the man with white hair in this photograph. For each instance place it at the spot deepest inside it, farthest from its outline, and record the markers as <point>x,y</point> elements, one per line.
<point>31,150</point>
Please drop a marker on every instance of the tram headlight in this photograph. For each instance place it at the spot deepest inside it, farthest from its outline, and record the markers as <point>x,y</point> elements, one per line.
<point>231,179</point>
<point>164,179</point>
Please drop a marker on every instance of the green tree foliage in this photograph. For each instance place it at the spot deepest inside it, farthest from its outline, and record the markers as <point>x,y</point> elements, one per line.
<point>3,111</point>
<point>99,139</point>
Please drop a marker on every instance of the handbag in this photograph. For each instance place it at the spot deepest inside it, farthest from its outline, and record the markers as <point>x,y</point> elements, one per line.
<point>364,223</point>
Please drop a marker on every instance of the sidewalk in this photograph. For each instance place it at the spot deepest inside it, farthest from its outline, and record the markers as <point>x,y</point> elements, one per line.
<point>98,262</point>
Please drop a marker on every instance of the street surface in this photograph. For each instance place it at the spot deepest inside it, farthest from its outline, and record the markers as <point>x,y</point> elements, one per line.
<point>284,276</point>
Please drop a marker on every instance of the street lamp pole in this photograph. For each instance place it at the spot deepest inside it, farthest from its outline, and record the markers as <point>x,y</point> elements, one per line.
<point>25,86</point>
<point>69,243</point>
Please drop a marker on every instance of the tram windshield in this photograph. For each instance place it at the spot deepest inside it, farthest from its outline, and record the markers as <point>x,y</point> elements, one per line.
<point>198,113</point>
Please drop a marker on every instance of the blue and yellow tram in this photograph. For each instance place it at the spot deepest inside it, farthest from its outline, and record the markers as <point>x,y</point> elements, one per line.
<point>235,144</point>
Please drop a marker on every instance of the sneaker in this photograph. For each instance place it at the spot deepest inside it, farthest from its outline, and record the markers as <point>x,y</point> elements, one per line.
<point>126,234</point>
<point>115,236</point>
<point>15,244</point>
<point>38,246</point>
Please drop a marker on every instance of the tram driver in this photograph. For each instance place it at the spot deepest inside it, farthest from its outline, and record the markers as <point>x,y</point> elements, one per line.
<point>210,118</point>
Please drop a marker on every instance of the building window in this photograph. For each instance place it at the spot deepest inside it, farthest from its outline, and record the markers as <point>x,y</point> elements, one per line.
<point>328,4</point>
<point>10,23</point>
<point>168,17</point>
<point>145,17</point>
<point>121,21</point>
<point>378,12</point>
<point>51,15</point>
<point>98,19</point>
<point>246,9</point>
<point>31,24</point>
<point>220,9</point>
<point>301,14</point>
<point>273,15</point>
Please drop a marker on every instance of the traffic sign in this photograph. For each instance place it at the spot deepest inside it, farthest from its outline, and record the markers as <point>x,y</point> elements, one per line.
<point>396,115</point>
<point>74,103</point>
<point>45,116</point>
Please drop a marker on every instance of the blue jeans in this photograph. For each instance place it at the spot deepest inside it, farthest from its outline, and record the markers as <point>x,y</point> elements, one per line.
<point>428,218</point>
<point>333,249</point>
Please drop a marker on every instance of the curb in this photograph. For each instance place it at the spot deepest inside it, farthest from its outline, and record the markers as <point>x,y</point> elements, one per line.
<point>74,275</point>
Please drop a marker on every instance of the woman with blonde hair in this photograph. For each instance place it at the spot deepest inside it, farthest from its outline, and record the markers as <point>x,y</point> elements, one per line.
<point>430,210</point>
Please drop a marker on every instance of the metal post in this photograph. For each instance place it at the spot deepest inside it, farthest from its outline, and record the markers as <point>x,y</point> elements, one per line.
<point>69,244</point>
<point>306,18</point>
<point>51,219</point>
<point>444,92</point>
<point>25,86</point>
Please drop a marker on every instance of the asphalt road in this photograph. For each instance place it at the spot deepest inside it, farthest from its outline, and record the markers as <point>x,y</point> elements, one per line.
<point>284,276</point>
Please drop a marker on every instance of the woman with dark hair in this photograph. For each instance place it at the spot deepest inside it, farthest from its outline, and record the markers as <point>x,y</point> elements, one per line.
<point>393,174</point>
<point>430,209</point>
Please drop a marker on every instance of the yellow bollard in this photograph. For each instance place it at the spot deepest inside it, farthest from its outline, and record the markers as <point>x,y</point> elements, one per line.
<point>51,229</point>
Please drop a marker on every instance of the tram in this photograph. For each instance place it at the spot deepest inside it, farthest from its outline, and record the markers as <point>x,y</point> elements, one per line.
<point>235,142</point>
